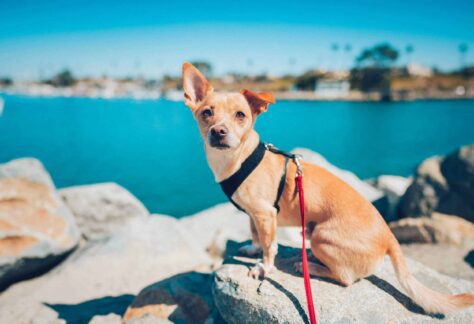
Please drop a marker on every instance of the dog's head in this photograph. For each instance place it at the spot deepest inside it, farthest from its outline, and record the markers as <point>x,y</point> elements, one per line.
<point>224,119</point>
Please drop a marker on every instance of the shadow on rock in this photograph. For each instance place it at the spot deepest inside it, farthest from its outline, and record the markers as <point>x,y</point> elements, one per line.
<point>400,297</point>
<point>183,298</point>
<point>85,311</point>
<point>29,268</point>
<point>291,297</point>
<point>469,258</point>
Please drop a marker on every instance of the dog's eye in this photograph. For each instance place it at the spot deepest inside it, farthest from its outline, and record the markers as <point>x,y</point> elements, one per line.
<point>240,115</point>
<point>206,113</point>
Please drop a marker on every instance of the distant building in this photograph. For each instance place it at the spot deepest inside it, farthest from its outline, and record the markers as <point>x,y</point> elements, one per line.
<point>332,89</point>
<point>419,70</point>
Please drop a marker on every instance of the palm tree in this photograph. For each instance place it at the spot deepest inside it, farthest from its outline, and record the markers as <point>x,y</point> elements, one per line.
<point>291,64</point>
<point>463,49</point>
<point>409,49</point>
<point>335,49</point>
<point>348,50</point>
<point>203,66</point>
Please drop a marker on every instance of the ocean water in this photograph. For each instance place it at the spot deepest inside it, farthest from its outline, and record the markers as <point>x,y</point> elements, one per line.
<point>153,148</point>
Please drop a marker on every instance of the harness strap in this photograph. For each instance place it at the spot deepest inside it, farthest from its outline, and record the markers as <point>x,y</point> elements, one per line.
<point>232,183</point>
<point>281,185</point>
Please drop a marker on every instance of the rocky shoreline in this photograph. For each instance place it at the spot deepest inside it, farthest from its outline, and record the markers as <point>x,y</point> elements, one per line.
<point>95,254</point>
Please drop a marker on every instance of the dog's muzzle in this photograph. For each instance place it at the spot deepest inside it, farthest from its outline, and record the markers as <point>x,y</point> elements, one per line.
<point>218,137</point>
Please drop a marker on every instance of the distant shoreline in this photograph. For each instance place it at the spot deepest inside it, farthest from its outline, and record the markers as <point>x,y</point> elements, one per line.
<point>289,96</point>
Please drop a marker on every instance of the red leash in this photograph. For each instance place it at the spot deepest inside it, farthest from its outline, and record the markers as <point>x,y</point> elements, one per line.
<point>307,283</point>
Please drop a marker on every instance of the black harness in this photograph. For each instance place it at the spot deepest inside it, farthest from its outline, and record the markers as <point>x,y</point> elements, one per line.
<point>231,184</point>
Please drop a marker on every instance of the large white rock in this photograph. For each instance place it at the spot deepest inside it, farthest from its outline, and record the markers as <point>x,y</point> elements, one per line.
<point>369,192</point>
<point>100,209</point>
<point>36,230</point>
<point>214,227</point>
<point>103,276</point>
<point>394,187</point>
<point>280,298</point>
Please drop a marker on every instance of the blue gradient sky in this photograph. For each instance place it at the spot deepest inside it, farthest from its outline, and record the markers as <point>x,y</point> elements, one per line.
<point>37,38</point>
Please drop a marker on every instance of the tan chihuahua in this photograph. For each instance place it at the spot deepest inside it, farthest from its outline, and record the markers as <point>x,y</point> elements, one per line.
<point>350,237</point>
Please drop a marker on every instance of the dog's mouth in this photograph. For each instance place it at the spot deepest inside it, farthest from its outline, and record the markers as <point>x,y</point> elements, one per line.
<point>221,142</point>
<point>219,145</point>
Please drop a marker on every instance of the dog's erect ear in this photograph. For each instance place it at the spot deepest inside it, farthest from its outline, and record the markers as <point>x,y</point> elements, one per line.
<point>195,86</point>
<point>258,101</point>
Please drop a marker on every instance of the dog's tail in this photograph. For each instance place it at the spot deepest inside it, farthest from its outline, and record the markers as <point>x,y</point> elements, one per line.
<point>430,300</point>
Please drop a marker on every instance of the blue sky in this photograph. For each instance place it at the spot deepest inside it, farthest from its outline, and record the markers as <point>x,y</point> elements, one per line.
<point>38,38</point>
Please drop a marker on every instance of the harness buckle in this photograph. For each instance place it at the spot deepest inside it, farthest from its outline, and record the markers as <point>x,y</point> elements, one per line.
<point>269,146</point>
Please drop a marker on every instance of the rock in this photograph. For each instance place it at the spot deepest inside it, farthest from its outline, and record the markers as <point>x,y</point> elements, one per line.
<point>103,276</point>
<point>458,169</point>
<point>372,194</point>
<point>369,192</point>
<point>36,230</point>
<point>148,319</point>
<point>184,298</point>
<point>445,185</point>
<point>106,319</point>
<point>448,259</point>
<point>213,227</point>
<point>393,187</point>
<point>280,298</point>
<point>101,209</point>
<point>438,228</point>
<point>422,196</point>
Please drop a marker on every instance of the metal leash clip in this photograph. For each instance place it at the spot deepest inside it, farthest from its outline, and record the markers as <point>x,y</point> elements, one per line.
<point>299,169</point>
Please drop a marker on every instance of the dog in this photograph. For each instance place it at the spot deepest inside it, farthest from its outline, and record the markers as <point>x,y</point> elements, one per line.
<point>350,238</point>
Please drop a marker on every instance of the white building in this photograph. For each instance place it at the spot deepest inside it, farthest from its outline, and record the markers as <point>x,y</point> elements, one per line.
<point>419,70</point>
<point>332,89</point>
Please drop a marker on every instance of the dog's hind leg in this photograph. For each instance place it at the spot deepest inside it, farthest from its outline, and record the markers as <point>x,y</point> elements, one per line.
<point>319,270</point>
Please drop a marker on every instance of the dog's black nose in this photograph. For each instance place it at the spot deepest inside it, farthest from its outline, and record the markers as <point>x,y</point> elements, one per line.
<point>219,131</point>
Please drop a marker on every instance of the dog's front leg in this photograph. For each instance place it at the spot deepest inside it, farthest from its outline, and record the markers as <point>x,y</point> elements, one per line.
<point>266,226</point>
<point>254,248</point>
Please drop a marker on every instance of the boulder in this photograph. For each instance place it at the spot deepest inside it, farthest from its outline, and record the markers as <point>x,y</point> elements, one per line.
<point>393,187</point>
<point>106,319</point>
<point>280,298</point>
<point>101,209</point>
<point>369,192</point>
<point>36,230</point>
<point>213,227</point>
<point>442,184</point>
<point>458,169</point>
<point>439,228</point>
<point>372,194</point>
<point>103,276</point>
<point>451,260</point>
<point>184,298</point>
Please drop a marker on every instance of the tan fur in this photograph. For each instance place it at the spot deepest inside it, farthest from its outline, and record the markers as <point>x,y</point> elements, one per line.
<point>350,237</point>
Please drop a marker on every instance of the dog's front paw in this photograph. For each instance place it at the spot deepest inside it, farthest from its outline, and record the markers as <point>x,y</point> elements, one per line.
<point>260,270</point>
<point>250,250</point>
<point>298,267</point>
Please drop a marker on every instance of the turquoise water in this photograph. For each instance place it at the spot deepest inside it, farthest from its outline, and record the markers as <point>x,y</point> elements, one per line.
<point>153,148</point>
